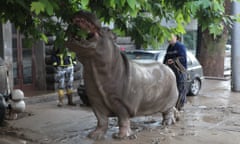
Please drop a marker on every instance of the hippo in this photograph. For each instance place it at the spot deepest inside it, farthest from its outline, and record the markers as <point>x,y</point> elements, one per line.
<point>116,86</point>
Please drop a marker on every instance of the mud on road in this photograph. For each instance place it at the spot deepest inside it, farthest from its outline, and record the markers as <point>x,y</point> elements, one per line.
<point>212,117</point>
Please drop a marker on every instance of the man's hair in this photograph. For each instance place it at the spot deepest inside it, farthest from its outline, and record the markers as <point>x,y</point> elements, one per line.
<point>178,37</point>
<point>89,17</point>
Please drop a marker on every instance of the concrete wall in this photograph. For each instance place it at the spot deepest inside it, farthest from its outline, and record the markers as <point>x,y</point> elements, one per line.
<point>6,49</point>
<point>1,42</point>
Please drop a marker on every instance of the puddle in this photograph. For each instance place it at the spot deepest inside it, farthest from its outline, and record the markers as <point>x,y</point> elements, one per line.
<point>10,135</point>
<point>211,119</point>
<point>12,140</point>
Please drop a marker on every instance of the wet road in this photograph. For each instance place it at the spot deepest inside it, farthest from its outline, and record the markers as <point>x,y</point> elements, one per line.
<point>212,117</point>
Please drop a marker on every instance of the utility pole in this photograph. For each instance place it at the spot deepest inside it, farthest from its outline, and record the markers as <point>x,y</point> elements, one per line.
<point>235,51</point>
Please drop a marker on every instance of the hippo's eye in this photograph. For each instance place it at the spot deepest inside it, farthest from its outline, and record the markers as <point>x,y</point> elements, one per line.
<point>78,20</point>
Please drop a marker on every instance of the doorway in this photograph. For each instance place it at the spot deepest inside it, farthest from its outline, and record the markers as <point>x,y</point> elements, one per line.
<point>23,62</point>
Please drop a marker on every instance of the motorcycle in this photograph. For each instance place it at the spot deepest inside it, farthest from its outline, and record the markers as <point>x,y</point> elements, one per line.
<point>11,101</point>
<point>11,105</point>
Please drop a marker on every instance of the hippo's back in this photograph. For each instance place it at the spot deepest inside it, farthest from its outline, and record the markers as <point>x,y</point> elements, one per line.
<point>152,88</point>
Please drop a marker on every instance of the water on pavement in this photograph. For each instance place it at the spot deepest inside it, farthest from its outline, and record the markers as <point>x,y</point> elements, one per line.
<point>211,117</point>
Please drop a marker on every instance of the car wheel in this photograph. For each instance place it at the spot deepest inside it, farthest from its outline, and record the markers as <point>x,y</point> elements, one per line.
<point>2,111</point>
<point>195,86</point>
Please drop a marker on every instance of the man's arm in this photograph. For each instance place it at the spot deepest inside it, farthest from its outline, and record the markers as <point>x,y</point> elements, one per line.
<point>182,55</point>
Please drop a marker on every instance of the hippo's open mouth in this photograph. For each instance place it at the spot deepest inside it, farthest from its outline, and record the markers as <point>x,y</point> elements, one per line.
<point>82,47</point>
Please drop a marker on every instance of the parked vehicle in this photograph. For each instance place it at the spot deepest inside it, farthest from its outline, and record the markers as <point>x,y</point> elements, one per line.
<point>228,50</point>
<point>194,68</point>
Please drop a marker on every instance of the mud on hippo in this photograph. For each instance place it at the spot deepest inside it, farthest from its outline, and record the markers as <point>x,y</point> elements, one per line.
<point>117,86</point>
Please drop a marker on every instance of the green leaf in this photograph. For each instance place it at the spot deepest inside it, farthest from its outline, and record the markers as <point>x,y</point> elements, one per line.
<point>133,13</point>
<point>37,7</point>
<point>22,4</point>
<point>49,10</point>
<point>181,29</point>
<point>131,4</point>
<point>216,29</point>
<point>113,4</point>
<point>122,2</point>
<point>81,33</point>
<point>205,3</point>
<point>84,3</point>
<point>44,37</point>
<point>48,7</point>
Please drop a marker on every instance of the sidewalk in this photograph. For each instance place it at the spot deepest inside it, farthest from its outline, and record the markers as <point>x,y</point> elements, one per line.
<point>33,97</point>
<point>221,86</point>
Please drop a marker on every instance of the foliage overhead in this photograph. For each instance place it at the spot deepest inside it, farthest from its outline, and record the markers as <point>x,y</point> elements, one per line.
<point>143,20</point>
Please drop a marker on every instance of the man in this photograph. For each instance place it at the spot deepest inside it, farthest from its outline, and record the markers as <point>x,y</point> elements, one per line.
<point>176,59</point>
<point>64,62</point>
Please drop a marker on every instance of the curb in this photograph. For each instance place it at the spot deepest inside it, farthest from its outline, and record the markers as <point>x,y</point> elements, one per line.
<point>48,97</point>
<point>41,98</point>
<point>217,78</point>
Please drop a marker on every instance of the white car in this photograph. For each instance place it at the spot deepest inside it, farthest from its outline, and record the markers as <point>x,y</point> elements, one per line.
<point>228,50</point>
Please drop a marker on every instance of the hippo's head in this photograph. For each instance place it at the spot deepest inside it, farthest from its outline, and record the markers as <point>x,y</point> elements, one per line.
<point>97,42</point>
<point>86,25</point>
<point>84,33</point>
<point>87,21</point>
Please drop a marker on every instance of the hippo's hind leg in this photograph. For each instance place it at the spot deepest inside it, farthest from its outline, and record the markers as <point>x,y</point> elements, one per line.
<point>170,116</point>
<point>102,125</point>
<point>123,120</point>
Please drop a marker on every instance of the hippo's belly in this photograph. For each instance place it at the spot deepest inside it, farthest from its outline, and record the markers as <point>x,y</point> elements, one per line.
<point>152,88</point>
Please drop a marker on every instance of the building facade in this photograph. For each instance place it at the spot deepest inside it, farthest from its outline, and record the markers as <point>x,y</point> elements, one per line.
<point>26,65</point>
<point>29,67</point>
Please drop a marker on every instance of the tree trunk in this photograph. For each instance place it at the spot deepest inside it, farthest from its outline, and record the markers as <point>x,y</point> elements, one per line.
<point>212,54</point>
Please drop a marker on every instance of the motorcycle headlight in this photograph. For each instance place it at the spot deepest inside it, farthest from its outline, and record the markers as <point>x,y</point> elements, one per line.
<point>18,106</point>
<point>17,94</point>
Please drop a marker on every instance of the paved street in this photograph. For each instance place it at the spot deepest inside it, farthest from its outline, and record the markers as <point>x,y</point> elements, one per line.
<point>212,117</point>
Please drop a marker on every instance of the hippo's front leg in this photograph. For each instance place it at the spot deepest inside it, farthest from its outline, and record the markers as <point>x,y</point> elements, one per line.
<point>170,116</point>
<point>102,125</point>
<point>124,129</point>
<point>123,120</point>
